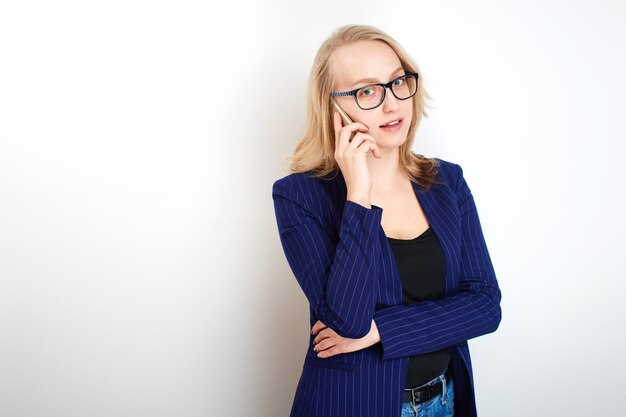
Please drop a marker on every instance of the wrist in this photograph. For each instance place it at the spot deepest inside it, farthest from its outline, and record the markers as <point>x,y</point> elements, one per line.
<point>374,335</point>
<point>361,200</point>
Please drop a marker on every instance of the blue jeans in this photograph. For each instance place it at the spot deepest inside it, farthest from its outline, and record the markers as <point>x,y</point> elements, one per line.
<point>440,406</point>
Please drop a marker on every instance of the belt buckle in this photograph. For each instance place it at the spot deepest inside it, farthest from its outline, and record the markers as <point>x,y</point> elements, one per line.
<point>415,399</point>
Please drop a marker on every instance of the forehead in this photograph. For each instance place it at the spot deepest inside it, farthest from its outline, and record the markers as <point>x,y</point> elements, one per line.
<point>363,59</point>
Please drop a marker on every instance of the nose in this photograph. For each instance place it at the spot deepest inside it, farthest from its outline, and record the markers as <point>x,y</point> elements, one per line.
<point>390,102</point>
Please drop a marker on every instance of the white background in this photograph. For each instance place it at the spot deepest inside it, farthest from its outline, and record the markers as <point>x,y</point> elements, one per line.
<point>140,266</point>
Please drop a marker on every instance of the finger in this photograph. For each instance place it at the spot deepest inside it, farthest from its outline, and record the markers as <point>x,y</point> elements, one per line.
<point>338,122</point>
<point>323,334</point>
<point>324,344</point>
<point>356,126</point>
<point>361,135</point>
<point>327,339</point>
<point>326,353</point>
<point>360,138</point>
<point>320,326</point>
<point>346,132</point>
<point>371,147</point>
<point>317,327</point>
<point>344,135</point>
<point>371,144</point>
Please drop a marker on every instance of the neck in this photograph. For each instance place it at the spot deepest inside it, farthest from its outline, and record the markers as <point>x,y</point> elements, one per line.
<point>385,172</point>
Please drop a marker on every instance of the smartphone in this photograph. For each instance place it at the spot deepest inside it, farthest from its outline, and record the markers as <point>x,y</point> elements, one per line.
<point>343,114</point>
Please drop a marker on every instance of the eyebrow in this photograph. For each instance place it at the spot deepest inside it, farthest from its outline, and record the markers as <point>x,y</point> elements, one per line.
<point>372,80</point>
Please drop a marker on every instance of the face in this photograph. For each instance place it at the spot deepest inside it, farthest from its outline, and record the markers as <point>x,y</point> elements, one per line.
<point>378,63</point>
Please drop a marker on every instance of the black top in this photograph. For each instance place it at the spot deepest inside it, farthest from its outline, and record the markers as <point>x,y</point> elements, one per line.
<point>422,267</point>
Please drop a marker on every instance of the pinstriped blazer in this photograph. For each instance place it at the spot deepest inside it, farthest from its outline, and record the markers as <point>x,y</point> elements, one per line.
<point>342,261</point>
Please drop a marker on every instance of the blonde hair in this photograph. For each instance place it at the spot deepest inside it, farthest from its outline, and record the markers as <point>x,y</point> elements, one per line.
<point>314,152</point>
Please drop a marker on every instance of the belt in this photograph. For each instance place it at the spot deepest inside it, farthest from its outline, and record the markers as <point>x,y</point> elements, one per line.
<point>423,394</point>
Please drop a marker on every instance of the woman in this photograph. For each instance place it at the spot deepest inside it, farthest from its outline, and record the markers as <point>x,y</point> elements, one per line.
<point>385,243</point>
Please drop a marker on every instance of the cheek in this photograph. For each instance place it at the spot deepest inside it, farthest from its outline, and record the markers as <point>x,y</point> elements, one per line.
<point>409,117</point>
<point>370,122</point>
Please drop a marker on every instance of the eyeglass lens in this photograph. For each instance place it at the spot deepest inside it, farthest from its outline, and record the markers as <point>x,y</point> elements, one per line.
<point>372,95</point>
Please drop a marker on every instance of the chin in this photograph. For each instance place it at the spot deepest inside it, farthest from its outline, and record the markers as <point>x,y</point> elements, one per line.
<point>393,141</point>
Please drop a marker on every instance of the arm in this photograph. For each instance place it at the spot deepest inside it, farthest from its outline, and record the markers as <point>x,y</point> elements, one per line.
<point>337,277</point>
<point>473,311</point>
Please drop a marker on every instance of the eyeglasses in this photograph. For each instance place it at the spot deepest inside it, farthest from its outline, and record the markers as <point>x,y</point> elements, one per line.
<point>373,95</point>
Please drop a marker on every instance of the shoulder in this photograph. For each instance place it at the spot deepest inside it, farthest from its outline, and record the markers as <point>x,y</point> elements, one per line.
<point>306,188</point>
<point>449,172</point>
<point>291,185</point>
<point>291,180</point>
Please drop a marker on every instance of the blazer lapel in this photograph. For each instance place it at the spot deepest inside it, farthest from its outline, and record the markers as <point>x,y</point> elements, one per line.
<point>443,231</point>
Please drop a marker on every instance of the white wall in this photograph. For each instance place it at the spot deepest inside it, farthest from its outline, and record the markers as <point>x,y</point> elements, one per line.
<point>141,270</point>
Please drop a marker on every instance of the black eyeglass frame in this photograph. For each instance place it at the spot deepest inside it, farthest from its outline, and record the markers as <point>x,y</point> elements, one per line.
<point>385,87</point>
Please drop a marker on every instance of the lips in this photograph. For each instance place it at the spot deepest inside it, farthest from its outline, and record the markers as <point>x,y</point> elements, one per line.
<point>391,121</point>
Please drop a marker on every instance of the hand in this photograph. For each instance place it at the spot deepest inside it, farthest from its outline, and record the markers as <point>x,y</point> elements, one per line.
<point>351,154</point>
<point>328,343</point>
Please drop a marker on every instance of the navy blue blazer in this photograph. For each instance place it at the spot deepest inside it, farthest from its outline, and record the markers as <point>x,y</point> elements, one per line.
<point>340,256</point>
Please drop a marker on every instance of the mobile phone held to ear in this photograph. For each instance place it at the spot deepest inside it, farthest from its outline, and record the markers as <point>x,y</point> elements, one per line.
<point>348,121</point>
<point>343,114</point>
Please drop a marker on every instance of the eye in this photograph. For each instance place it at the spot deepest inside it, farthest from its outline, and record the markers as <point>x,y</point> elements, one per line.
<point>366,92</point>
<point>398,82</point>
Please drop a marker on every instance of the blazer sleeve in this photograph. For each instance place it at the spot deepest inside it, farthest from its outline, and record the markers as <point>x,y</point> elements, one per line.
<point>474,310</point>
<point>338,277</point>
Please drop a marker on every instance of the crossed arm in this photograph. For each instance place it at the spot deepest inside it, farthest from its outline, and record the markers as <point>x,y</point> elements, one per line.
<point>339,281</point>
